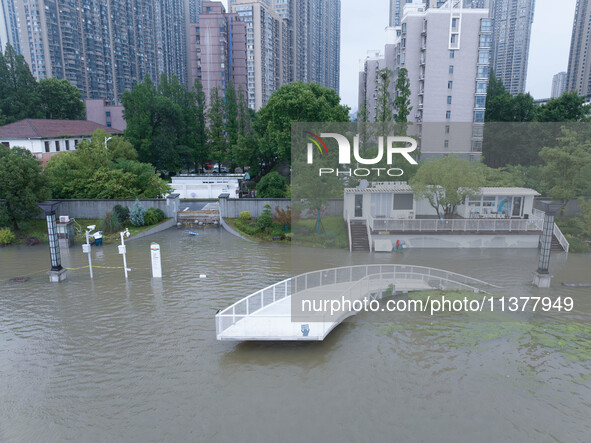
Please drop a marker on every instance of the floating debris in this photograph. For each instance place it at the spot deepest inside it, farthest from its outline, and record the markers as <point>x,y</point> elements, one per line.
<point>20,279</point>
<point>577,285</point>
<point>33,241</point>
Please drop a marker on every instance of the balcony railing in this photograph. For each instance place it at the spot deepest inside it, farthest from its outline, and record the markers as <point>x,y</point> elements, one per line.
<point>483,225</point>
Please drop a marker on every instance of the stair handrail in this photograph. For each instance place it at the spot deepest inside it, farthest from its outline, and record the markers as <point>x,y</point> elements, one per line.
<point>561,238</point>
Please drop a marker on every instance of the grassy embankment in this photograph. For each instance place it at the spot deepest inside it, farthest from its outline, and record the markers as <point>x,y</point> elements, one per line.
<point>302,233</point>
<point>38,228</point>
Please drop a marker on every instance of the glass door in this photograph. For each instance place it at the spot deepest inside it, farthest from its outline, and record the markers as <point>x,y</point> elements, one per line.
<point>358,205</point>
<point>517,207</point>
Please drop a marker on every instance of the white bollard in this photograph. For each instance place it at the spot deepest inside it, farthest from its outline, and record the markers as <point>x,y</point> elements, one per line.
<point>156,261</point>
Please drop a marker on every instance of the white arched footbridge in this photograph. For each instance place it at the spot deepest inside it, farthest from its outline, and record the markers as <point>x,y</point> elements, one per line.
<point>267,314</point>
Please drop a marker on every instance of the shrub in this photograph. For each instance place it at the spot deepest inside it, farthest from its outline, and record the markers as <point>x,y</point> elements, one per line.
<point>271,185</point>
<point>160,214</point>
<point>137,214</point>
<point>111,223</point>
<point>265,220</point>
<point>6,236</point>
<point>151,217</point>
<point>283,216</point>
<point>122,213</point>
<point>245,216</point>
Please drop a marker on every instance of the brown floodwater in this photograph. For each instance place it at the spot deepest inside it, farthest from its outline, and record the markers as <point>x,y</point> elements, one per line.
<point>106,360</point>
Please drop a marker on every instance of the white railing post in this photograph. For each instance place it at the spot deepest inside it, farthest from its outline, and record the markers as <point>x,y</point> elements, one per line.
<point>247,306</point>
<point>274,294</point>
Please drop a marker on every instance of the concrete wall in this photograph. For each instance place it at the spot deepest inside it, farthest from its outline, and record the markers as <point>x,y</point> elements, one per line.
<point>97,109</point>
<point>87,208</point>
<point>233,208</point>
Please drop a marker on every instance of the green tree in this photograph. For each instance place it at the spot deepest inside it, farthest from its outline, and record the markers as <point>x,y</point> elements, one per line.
<point>163,123</point>
<point>271,185</point>
<point>18,89</point>
<point>22,185</point>
<point>216,131</point>
<point>200,132</point>
<point>402,106</point>
<point>232,123</point>
<point>565,173</point>
<point>384,103</point>
<point>570,107</point>
<point>60,100</point>
<point>445,182</point>
<point>295,102</point>
<point>93,172</point>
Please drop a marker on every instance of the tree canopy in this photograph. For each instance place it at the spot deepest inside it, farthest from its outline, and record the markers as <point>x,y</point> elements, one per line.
<point>446,181</point>
<point>295,102</point>
<point>166,123</point>
<point>93,172</point>
<point>22,185</point>
<point>22,97</point>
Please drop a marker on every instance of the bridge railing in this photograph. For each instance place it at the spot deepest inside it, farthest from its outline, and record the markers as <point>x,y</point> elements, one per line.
<point>347,274</point>
<point>254,302</point>
<point>250,305</point>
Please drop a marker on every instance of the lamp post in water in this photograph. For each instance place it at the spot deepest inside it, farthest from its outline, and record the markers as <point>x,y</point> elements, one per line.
<point>542,277</point>
<point>57,272</point>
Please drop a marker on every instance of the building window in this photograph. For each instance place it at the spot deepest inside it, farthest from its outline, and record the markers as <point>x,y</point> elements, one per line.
<point>481,87</point>
<point>479,116</point>
<point>446,143</point>
<point>454,38</point>
<point>485,40</point>
<point>6,144</point>
<point>57,146</point>
<point>404,27</point>
<point>476,146</point>
<point>449,99</point>
<point>108,124</point>
<point>483,72</point>
<point>477,130</point>
<point>108,113</point>
<point>76,142</point>
<point>403,42</point>
<point>447,115</point>
<point>451,69</point>
<point>483,57</point>
<point>450,84</point>
<point>486,25</point>
<point>447,129</point>
<point>480,101</point>
<point>46,146</point>
<point>67,145</point>
<point>454,22</point>
<point>451,53</point>
<point>197,29</point>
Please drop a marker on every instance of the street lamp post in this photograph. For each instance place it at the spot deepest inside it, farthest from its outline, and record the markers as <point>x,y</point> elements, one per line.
<point>57,272</point>
<point>106,140</point>
<point>86,247</point>
<point>123,250</point>
<point>542,277</point>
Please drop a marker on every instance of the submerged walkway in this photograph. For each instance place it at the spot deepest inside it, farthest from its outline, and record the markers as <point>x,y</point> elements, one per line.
<point>275,313</point>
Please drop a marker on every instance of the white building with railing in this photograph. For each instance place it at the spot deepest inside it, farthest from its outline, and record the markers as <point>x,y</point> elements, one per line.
<point>495,218</point>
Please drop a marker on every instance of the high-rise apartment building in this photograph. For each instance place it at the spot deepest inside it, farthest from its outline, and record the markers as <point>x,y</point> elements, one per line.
<point>311,35</point>
<point>447,53</point>
<point>266,47</point>
<point>368,83</point>
<point>103,46</point>
<point>217,50</point>
<point>512,21</point>
<point>558,84</point>
<point>579,61</point>
<point>9,25</point>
